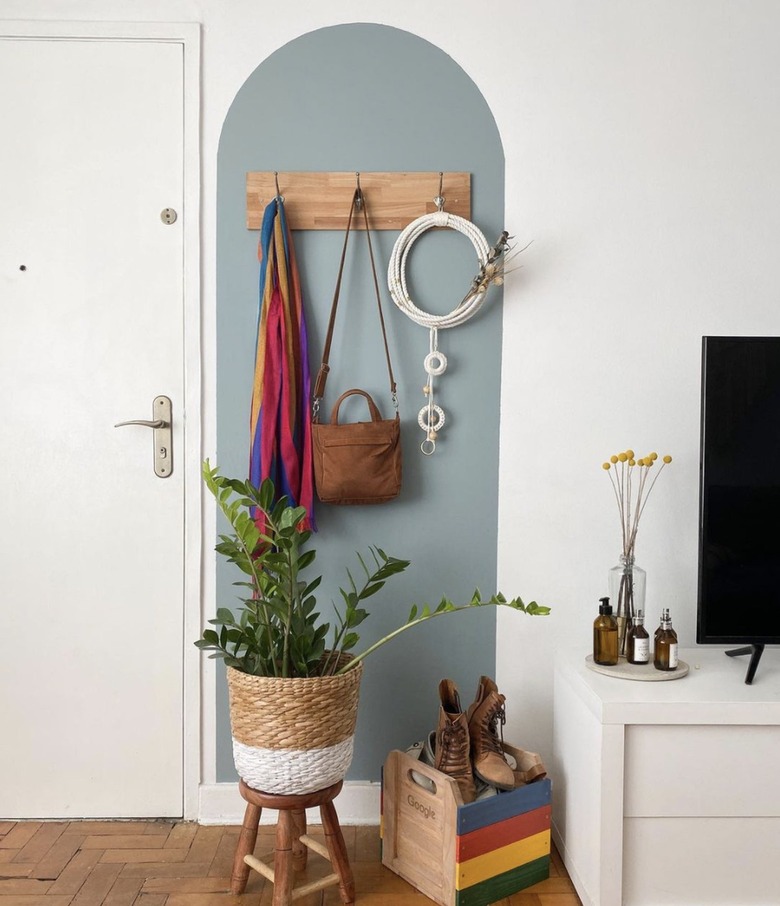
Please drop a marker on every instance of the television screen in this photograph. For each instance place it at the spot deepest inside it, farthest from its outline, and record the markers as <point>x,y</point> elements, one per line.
<point>739,526</point>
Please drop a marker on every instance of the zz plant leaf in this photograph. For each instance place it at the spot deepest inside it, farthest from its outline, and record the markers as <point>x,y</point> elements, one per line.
<point>279,631</point>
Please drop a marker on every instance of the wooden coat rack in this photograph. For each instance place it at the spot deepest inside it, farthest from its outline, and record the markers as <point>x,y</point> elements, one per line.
<point>321,201</point>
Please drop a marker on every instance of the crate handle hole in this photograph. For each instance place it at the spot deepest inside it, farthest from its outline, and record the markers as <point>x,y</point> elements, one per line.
<point>421,780</point>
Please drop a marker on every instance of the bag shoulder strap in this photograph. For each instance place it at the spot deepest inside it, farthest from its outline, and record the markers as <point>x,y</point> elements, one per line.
<point>358,201</point>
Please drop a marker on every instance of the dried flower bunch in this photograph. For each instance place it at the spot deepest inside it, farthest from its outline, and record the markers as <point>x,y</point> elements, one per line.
<point>631,483</point>
<point>494,269</point>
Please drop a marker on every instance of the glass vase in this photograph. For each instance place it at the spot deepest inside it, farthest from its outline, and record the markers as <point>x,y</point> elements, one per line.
<point>627,594</point>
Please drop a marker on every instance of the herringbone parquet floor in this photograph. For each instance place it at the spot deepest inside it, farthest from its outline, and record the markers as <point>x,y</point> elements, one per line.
<point>163,863</point>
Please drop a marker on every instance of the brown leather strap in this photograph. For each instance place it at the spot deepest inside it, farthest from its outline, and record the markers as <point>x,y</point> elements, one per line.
<point>358,200</point>
<point>378,300</point>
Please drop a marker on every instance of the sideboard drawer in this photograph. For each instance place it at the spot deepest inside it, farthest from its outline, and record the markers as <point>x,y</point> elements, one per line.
<point>706,771</point>
<point>669,861</point>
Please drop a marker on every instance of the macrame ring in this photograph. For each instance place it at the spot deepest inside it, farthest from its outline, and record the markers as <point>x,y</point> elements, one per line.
<point>428,447</point>
<point>440,361</point>
<point>422,418</point>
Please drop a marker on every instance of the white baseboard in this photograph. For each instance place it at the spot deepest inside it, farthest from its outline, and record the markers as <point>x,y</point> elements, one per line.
<point>357,803</point>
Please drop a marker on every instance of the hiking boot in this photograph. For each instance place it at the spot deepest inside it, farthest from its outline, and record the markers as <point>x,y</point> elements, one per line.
<point>484,716</point>
<point>451,754</point>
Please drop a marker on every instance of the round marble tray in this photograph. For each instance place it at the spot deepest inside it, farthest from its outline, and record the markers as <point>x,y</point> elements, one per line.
<point>644,673</point>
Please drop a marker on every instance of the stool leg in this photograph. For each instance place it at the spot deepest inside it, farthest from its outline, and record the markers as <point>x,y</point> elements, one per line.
<point>245,847</point>
<point>338,852</point>
<point>283,870</point>
<point>299,851</point>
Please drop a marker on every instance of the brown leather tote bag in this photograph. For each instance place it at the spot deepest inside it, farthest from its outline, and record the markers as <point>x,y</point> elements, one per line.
<point>359,462</point>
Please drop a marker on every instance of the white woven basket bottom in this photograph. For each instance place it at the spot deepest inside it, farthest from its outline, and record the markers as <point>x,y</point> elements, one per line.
<point>292,771</point>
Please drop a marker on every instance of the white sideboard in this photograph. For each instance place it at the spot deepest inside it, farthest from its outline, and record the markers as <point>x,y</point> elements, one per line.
<point>668,793</point>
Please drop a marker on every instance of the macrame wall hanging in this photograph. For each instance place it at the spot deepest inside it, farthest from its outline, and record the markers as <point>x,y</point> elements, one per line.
<point>431,417</point>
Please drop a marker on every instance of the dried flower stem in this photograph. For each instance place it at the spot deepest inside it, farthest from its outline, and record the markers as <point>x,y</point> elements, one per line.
<point>632,496</point>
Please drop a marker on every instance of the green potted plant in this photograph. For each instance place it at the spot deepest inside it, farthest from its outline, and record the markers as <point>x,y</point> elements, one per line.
<point>294,678</point>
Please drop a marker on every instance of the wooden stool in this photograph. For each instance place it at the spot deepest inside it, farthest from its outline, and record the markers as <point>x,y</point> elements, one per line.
<point>292,844</point>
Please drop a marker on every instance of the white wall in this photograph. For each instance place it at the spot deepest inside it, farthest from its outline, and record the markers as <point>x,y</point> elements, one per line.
<point>642,157</point>
<point>641,144</point>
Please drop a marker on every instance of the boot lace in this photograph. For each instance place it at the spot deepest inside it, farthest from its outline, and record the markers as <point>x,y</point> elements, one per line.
<point>493,724</point>
<point>453,747</point>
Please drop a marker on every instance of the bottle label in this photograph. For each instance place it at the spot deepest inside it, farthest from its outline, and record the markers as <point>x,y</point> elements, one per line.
<point>641,650</point>
<point>672,655</point>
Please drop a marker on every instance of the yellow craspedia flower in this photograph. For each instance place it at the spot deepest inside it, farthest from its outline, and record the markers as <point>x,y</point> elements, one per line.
<point>606,465</point>
<point>622,457</point>
<point>613,459</point>
<point>641,462</point>
<point>630,454</point>
<point>632,462</point>
<point>667,459</point>
<point>654,456</point>
<point>649,460</point>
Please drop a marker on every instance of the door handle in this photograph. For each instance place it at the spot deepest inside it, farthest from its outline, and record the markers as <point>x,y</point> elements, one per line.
<point>158,423</point>
<point>162,437</point>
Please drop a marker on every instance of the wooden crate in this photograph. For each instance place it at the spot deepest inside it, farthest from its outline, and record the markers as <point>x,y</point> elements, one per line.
<point>463,855</point>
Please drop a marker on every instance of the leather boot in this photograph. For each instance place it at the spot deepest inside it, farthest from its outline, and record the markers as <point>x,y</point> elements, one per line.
<point>487,755</point>
<point>452,741</point>
<point>523,778</point>
<point>529,768</point>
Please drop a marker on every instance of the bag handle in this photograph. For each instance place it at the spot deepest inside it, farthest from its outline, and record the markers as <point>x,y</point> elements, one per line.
<point>376,415</point>
<point>359,202</point>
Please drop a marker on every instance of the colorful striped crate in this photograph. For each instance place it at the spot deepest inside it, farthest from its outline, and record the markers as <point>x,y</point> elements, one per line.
<point>463,855</point>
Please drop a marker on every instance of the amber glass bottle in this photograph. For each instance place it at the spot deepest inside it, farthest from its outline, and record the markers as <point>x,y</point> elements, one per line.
<point>665,645</point>
<point>605,636</point>
<point>664,616</point>
<point>638,643</point>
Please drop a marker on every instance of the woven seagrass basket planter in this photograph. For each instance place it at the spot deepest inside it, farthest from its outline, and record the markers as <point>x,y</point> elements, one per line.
<point>293,735</point>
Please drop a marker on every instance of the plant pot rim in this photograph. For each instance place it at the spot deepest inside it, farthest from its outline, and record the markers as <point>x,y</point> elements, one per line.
<point>343,659</point>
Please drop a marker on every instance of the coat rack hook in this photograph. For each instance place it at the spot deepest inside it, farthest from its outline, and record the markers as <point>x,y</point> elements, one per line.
<point>279,196</point>
<point>359,199</point>
<point>439,199</point>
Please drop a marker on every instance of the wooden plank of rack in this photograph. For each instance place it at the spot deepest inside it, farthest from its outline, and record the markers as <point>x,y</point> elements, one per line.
<point>321,201</point>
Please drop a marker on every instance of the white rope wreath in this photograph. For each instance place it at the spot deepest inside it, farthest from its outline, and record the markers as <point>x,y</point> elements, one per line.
<point>396,271</point>
<point>431,417</point>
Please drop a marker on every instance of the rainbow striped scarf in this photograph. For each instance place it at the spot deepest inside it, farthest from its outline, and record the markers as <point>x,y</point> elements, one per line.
<point>280,421</point>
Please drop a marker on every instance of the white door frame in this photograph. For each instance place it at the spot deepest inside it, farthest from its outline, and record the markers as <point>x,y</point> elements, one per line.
<point>188,35</point>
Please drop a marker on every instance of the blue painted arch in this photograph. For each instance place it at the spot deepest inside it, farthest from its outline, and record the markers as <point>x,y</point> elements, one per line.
<point>369,97</point>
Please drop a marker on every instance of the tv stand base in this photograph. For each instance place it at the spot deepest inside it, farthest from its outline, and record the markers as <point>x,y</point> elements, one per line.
<point>755,651</point>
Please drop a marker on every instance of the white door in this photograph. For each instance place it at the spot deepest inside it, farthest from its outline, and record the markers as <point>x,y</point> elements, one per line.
<point>91,330</point>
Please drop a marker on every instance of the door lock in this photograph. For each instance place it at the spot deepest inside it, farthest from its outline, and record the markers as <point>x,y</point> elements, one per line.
<point>162,438</point>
